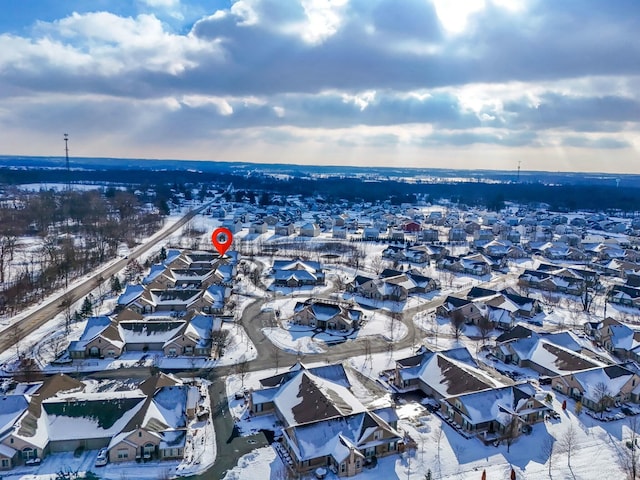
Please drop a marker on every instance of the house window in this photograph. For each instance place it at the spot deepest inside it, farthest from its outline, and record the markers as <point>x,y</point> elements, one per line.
<point>172,351</point>
<point>343,467</point>
<point>28,453</point>
<point>392,447</point>
<point>377,435</point>
<point>139,434</point>
<point>188,349</point>
<point>5,463</point>
<point>148,450</point>
<point>357,464</point>
<point>111,353</point>
<point>123,453</point>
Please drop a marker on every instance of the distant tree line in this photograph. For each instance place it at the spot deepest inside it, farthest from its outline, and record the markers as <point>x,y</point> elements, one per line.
<point>254,187</point>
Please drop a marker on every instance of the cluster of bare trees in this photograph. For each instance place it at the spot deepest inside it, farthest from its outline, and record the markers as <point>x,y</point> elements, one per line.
<point>77,232</point>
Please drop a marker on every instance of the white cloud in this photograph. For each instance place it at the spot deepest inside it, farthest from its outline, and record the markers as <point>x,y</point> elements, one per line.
<point>161,3</point>
<point>103,43</point>
<point>361,100</point>
<point>221,104</point>
<point>245,12</point>
<point>454,14</point>
<point>324,17</point>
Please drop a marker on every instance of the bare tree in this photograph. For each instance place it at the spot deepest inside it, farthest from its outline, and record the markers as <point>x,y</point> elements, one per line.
<point>568,442</point>
<point>28,370</point>
<point>376,264</point>
<point>484,328</point>
<point>437,436</point>
<point>548,450</point>
<point>276,358</point>
<point>511,431</point>
<point>629,453</point>
<point>457,323</point>
<point>242,369</point>
<point>340,283</point>
<point>16,338</point>
<point>66,304</point>
<point>219,340</point>
<point>602,396</point>
<point>368,358</point>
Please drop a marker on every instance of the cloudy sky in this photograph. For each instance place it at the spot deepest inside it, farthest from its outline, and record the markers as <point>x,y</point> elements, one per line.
<point>486,84</point>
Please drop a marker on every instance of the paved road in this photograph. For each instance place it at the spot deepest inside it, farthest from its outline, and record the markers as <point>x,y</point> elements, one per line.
<point>19,330</point>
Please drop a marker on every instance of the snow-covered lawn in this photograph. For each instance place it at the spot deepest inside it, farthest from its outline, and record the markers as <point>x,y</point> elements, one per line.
<point>302,339</point>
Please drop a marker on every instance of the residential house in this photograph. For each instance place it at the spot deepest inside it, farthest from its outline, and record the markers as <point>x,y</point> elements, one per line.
<point>258,227</point>
<point>561,280</point>
<point>13,408</point>
<point>412,226</point>
<point>430,235</point>
<point>549,355</point>
<point>234,225</point>
<point>284,229</point>
<point>441,374</point>
<point>327,314</point>
<point>158,430</point>
<point>309,230</point>
<point>473,265</point>
<point>600,387</point>
<point>105,337</point>
<point>392,285</point>
<point>339,232</point>
<point>492,412</point>
<point>324,423</point>
<point>619,339</point>
<point>624,295</point>
<point>297,273</point>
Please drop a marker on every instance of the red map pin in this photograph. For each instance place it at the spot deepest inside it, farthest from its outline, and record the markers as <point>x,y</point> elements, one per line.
<point>221,239</point>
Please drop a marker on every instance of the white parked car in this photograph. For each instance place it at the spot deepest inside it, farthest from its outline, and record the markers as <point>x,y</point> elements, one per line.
<point>102,458</point>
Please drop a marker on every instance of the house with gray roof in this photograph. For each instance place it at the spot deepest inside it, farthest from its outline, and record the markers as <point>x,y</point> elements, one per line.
<point>325,425</point>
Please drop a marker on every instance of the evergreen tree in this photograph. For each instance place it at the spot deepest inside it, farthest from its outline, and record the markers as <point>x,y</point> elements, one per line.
<point>116,286</point>
<point>87,308</point>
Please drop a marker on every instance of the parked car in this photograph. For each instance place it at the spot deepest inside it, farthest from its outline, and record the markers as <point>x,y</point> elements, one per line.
<point>103,458</point>
<point>431,405</point>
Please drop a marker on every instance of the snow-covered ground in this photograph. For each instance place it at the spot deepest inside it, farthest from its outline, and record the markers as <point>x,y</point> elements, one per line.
<point>302,339</point>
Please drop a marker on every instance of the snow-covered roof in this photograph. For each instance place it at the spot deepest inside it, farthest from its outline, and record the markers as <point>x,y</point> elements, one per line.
<point>173,439</point>
<point>613,377</point>
<point>336,437</point>
<point>154,272</point>
<point>143,332</point>
<point>448,376</point>
<point>308,398</point>
<point>131,293</point>
<point>11,409</point>
<point>492,404</point>
<point>90,415</point>
<point>168,409</point>
<point>94,326</point>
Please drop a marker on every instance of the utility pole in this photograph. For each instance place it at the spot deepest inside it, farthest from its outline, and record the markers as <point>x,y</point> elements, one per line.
<point>66,153</point>
<point>519,162</point>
